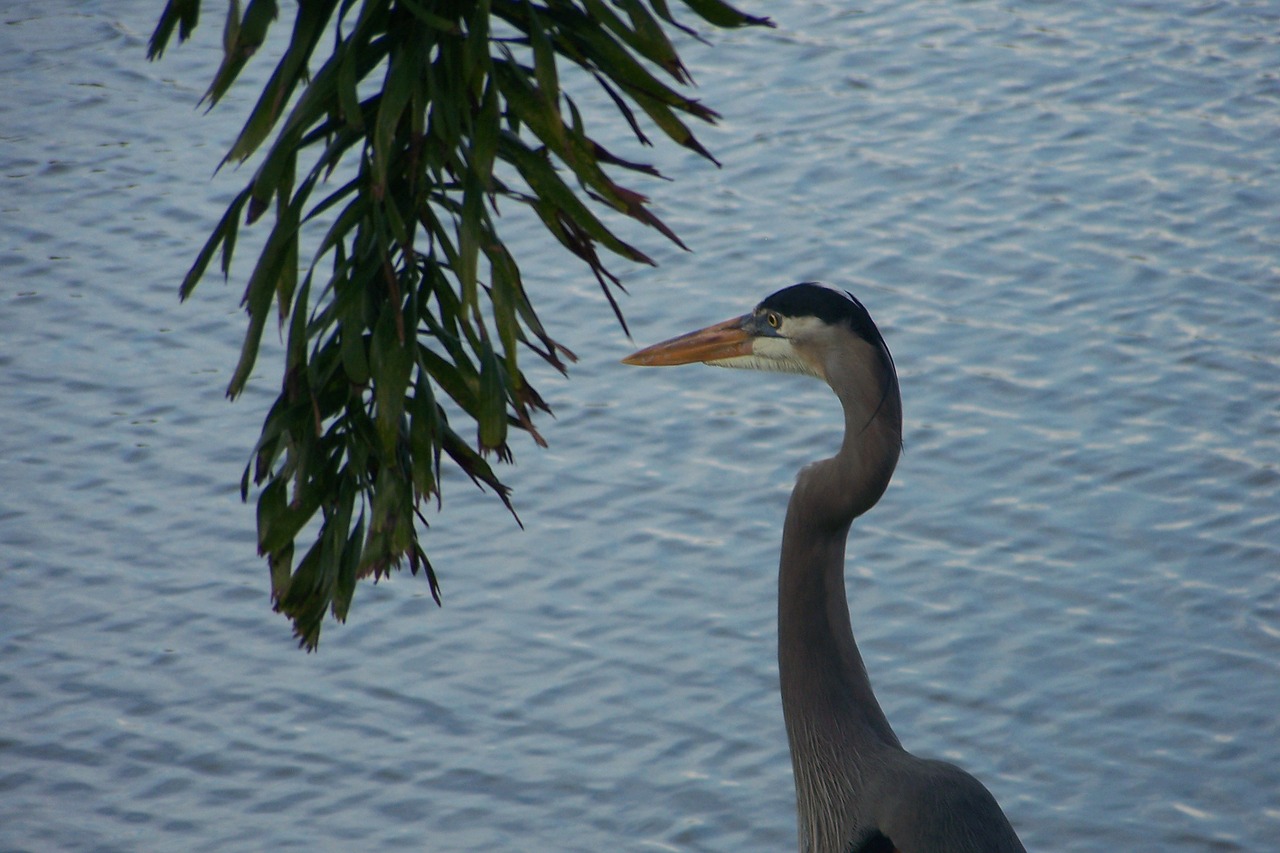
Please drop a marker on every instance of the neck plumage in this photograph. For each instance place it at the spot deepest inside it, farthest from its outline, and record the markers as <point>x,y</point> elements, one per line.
<point>834,723</point>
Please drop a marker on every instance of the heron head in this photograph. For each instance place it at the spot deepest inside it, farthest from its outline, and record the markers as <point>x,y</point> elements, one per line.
<point>806,328</point>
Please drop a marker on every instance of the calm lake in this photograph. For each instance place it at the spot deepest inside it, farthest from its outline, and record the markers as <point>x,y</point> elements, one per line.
<point>1064,217</point>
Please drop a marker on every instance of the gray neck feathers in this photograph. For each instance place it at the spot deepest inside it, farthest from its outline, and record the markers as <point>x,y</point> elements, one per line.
<point>835,725</point>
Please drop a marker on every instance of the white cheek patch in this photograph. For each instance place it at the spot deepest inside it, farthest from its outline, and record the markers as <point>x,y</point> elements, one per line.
<point>774,355</point>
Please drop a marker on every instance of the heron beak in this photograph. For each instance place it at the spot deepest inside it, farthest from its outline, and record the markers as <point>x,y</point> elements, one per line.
<point>729,339</point>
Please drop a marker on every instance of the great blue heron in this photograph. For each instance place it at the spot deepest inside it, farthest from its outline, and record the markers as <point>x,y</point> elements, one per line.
<point>857,789</point>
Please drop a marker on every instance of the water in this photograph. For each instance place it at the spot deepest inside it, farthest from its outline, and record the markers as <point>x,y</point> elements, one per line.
<point>1063,217</point>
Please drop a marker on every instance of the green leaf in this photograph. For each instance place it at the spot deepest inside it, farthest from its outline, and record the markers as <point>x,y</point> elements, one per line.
<point>615,61</point>
<point>241,38</point>
<point>272,504</point>
<point>504,293</point>
<point>476,58</point>
<point>296,357</point>
<point>723,15</point>
<point>281,567</point>
<point>231,28</point>
<point>425,418</point>
<point>184,14</point>
<point>647,36</point>
<point>431,19</point>
<point>275,174</point>
<point>469,228</point>
<point>675,129</point>
<point>280,249</point>
<point>224,231</point>
<point>484,139</point>
<point>390,526</point>
<point>278,526</point>
<point>348,92</point>
<point>351,215</point>
<point>354,359</point>
<point>397,90</point>
<point>461,382</point>
<point>309,24</point>
<point>306,596</point>
<point>542,179</point>
<point>492,414</point>
<point>544,62</point>
<point>344,589</point>
<point>391,362</point>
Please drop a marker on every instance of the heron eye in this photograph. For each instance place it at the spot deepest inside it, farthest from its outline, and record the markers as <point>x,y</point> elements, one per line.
<point>772,319</point>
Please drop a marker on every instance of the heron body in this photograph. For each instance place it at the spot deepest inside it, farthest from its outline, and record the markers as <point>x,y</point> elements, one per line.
<point>857,789</point>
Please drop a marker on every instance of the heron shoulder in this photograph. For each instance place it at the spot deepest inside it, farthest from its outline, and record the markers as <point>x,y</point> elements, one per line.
<point>935,805</point>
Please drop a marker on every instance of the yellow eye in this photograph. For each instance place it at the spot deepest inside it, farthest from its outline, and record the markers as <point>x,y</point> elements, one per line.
<point>772,319</point>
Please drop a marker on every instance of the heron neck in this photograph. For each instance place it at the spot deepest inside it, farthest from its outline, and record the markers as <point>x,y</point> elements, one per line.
<point>834,722</point>
<point>826,693</point>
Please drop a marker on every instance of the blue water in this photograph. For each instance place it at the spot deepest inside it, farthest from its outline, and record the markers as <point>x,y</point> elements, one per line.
<point>1064,218</point>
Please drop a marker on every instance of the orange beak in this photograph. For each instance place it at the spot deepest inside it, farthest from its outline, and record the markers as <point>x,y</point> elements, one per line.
<point>723,340</point>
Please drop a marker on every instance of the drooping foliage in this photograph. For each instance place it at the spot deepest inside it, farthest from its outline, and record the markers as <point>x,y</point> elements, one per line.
<point>383,143</point>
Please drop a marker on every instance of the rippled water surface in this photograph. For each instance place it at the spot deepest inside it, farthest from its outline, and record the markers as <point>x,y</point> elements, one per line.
<point>1064,217</point>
